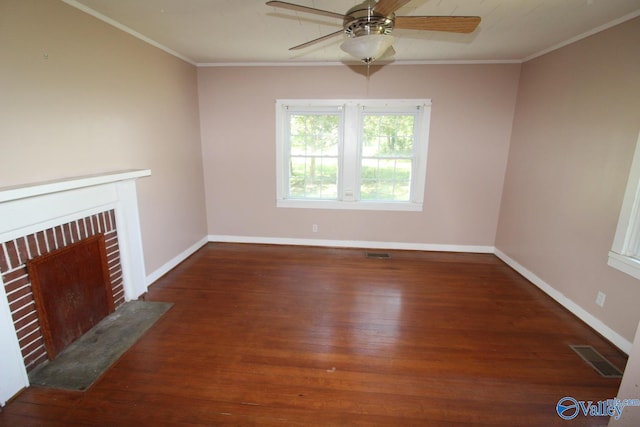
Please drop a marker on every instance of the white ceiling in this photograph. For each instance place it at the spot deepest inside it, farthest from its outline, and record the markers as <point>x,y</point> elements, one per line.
<point>207,32</point>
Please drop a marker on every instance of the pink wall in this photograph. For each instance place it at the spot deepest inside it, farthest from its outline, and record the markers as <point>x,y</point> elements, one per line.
<point>576,123</point>
<point>470,128</point>
<point>101,101</point>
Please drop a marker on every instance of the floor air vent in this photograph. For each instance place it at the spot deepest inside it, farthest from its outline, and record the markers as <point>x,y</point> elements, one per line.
<point>597,361</point>
<point>378,255</point>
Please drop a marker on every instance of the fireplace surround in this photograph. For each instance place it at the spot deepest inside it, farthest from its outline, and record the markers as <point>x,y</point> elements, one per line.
<point>42,218</point>
<point>19,261</point>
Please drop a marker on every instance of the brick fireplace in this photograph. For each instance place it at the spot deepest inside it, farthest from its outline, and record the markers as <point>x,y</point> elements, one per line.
<point>13,257</point>
<point>36,220</point>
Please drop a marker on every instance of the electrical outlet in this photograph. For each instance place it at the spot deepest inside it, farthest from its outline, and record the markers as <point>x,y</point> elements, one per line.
<point>314,228</point>
<point>600,298</point>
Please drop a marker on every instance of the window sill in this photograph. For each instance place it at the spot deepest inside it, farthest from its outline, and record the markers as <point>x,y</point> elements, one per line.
<point>355,205</point>
<point>628,265</point>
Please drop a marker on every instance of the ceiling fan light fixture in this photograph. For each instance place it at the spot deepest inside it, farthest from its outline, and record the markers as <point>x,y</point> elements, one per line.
<point>369,47</point>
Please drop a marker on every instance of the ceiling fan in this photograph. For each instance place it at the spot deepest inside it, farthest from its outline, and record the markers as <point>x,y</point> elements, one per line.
<point>369,24</point>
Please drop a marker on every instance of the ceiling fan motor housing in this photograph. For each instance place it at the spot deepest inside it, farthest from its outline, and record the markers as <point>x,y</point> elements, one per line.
<point>361,20</point>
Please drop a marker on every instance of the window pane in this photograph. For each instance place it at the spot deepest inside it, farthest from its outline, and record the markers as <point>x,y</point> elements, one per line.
<point>314,134</point>
<point>387,135</point>
<point>314,144</point>
<point>313,177</point>
<point>387,156</point>
<point>385,179</point>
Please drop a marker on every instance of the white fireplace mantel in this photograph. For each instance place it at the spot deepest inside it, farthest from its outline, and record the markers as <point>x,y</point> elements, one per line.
<point>31,208</point>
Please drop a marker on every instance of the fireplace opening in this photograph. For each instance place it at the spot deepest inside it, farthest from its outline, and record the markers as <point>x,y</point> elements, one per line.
<point>72,291</point>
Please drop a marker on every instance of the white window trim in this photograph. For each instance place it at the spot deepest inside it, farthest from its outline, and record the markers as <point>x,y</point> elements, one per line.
<point>626,243</point>
<point>346,200</point>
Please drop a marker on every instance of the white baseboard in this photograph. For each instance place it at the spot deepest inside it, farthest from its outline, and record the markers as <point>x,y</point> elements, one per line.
<point>164,269</point>
<point>595,323</point>
<point>352,244</point>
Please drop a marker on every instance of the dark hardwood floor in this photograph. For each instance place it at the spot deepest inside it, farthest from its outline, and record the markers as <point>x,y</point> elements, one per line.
<point>276,336</point>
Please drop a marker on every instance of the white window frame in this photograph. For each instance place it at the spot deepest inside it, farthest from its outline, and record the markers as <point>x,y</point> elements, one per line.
<point>625,251</point>
<point>350,152</point>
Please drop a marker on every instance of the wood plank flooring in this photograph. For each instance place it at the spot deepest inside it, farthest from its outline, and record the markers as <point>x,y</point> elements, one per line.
<point>299,336</point>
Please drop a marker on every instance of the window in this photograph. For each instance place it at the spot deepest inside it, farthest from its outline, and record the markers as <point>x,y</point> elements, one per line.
<point>352,154</point>
<point>625,251</point>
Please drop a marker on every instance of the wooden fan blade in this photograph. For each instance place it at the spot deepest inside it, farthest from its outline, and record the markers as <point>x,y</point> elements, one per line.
<point>318,40</point>
<point>387,7</point>
<point>453,24</point>
<point>298,8</point>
